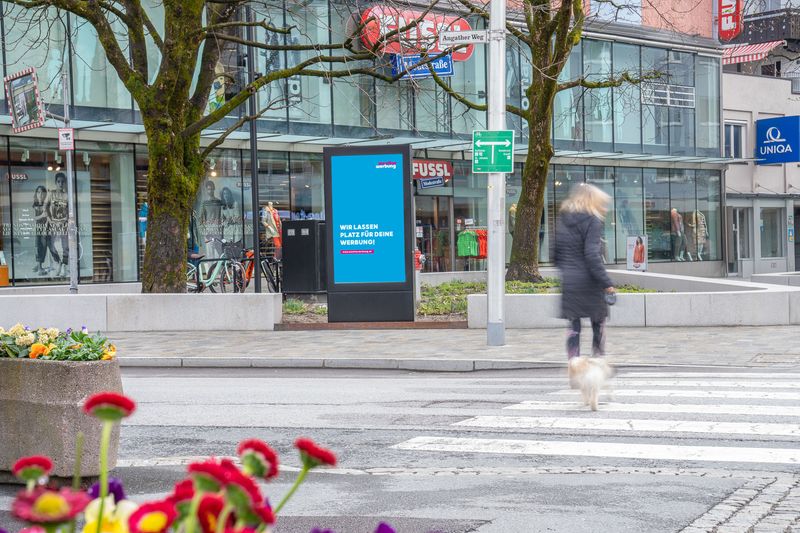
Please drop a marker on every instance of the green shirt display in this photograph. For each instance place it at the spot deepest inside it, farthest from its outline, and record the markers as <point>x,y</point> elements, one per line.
<point>467,244</point>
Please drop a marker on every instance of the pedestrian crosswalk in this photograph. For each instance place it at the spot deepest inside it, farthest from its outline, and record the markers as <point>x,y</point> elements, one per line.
<point>730,417</point>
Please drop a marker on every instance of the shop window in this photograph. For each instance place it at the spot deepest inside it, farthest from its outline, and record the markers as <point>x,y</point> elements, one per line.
<point>603,178</point>
<point>734,140</point>
<point>771,232</point>
<point>469,211</point>
<point>275,95</point>
<point>683,211</point>
<point>681,131</point>
<point>273,198</point>
<point>218,210</point>
<point>655,115</point>
<point>6,251</point>
<point>628,207</point>
<point>470,80</point>
<point>308,191</point>
<point>431,107</point>
<point>657,214</point>
<point>709,214</point>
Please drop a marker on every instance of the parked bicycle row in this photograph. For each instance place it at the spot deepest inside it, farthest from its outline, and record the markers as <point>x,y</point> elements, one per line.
<point>230,274</point>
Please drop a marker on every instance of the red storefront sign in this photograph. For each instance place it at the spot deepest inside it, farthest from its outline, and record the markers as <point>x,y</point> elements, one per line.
<point>730,19</point>
<point>423,36</point>
<point>430,168</point>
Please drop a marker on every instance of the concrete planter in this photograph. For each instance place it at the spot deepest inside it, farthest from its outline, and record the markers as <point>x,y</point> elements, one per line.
<point>41,412</point>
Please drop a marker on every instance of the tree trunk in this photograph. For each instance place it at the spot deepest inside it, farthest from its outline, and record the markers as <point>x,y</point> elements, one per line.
<point>173,180</point>
<point>524,264</point>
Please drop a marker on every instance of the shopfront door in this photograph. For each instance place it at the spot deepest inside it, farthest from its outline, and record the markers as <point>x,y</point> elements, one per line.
<point>434,229</point>
<point>738,238</point>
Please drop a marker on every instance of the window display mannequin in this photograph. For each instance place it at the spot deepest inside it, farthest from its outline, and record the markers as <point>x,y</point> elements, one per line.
<point>56,210</point>
<point>512,218</point>
<point>211,221</point>
<point>678,235</point>
<point>701,229</point>
<point>271,221</point>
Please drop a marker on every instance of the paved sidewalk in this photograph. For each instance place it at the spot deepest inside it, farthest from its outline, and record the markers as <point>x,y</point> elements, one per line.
<point>458,349</point>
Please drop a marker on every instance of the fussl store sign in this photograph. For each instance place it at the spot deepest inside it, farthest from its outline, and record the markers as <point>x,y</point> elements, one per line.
<point>778,140</point>
<point>731,14</point>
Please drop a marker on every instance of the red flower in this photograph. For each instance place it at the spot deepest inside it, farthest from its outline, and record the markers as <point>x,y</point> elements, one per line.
<point>209,476</point>
<point>154,517</point>
<point>264,512</point>
<point>109,406</point>
<point>235,479</point>
<point>32,468</point>
<point>258,459</point>
<point>208,512</point>
<point>46,506</point>
<point>313,455</point>
<point>184,490</point>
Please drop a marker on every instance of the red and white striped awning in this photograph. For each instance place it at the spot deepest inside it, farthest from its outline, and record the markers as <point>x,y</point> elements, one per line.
<point>749,52</point>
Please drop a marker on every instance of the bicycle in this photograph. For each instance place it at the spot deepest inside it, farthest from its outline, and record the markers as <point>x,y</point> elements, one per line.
<point>215,278</point>
<point>243,269</point>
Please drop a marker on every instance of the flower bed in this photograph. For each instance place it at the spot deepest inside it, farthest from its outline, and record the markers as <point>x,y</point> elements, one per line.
<point>21,342</point>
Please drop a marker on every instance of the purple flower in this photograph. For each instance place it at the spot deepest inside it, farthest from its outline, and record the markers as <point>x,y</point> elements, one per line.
<point>27,328</point>
<point>3,530</point>
<point>114,488</point>
<point>84,329</point>
<point>318,530</point>
<point>69,330</point>
<point>383,527</point>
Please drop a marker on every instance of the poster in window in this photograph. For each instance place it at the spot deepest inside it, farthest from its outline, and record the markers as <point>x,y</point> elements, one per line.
<point>637,253</point>
<point>24,100</point>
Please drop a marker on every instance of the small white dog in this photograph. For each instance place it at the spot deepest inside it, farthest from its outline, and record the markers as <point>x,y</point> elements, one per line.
<point>589,374</point>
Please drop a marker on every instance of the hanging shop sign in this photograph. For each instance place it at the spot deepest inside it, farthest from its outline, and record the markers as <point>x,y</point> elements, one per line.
<point>370,242</point>
<point>379,21</point>
<point>410,64</point>
<point>778,140</point>
<point>24,100</point>
<point>731,13</point>
<point>432,168</point>
<point>428,183</point>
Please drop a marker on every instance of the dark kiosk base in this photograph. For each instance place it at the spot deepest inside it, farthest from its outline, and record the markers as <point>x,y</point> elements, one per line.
<point>370,307</point>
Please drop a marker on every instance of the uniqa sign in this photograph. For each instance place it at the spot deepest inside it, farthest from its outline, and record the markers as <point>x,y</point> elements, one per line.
<point>379,21</point>
<point>778,140</point>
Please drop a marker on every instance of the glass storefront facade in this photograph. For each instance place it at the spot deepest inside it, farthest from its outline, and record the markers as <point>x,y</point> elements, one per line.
<point>676,113</point>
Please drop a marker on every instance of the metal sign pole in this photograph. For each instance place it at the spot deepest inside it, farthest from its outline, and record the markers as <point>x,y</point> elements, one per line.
<point>251,76</point>
<point>496,197</point>
<point>72,228</point>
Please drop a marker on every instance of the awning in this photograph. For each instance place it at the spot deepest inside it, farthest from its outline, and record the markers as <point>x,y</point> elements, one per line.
<point>749,52</point>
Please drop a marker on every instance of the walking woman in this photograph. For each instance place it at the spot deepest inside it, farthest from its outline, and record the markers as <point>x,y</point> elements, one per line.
<point>584,280</point>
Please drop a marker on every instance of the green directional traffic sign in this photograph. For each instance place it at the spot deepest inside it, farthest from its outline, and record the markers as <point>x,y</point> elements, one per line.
<point>492,151</point>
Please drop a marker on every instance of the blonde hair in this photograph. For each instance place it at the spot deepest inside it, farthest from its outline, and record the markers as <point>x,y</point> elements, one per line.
<point>586,198</point>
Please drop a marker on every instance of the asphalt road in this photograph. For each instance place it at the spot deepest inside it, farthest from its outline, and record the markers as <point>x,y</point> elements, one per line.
<point>511,451</point>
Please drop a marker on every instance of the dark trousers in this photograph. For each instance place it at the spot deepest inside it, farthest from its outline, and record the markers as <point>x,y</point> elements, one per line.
<point>574,337</point>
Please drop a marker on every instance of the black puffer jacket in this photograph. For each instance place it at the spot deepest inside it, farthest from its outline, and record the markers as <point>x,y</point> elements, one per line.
<point>583,276</point>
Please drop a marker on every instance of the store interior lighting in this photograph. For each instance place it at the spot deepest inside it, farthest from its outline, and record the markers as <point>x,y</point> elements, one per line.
<point>212,165</point>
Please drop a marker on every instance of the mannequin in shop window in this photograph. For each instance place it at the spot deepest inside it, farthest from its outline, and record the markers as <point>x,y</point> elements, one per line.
<point>700,227</point>
<point>211,221</point>
<point>56,209</point>
<point>678,236</point>
<point>271,221</point>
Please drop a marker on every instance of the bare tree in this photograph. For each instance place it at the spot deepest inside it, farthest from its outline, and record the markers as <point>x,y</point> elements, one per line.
<point>546,32</point>
<point>172,87</point>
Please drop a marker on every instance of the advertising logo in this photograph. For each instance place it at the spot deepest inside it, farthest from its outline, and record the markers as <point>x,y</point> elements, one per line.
<point>386,164</point>
<point>777,140</point>
<point>730,19</point>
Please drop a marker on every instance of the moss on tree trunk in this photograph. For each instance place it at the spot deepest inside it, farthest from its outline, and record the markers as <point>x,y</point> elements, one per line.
<point>173,180</point>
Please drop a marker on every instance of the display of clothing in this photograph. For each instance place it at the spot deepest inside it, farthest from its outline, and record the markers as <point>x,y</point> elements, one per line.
<point>467,244</point>
<point>472,243</point>
<point>678,232</point>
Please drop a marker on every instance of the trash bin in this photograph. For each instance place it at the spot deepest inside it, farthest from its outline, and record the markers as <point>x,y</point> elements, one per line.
<point>304,268</point>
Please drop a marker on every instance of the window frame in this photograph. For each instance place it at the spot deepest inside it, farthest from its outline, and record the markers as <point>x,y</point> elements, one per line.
<point>728,138</point>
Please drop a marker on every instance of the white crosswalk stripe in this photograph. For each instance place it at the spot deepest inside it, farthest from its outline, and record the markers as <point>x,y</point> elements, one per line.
<point>704,409</point>
<point>740,403</point>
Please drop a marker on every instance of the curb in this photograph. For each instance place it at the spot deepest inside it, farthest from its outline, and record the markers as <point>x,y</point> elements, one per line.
<point>420,365</point>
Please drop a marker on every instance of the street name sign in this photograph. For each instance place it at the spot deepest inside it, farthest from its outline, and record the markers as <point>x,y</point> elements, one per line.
<point>455,38</point>
<point>492,151</point>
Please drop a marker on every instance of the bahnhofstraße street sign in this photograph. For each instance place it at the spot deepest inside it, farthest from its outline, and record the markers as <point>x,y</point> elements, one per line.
<point>492,151</point>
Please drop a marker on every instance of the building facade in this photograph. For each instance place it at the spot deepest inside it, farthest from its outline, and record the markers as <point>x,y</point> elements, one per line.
<point>655,148</point>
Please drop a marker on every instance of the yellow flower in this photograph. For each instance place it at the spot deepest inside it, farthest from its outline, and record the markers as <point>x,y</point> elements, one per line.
<point>76,346</point>
<point>25,340</point>
<point>115,516</point>
<point>38,349</point>
<point>107,356</point>
<point>17,330</point>
<point>52,332</point>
